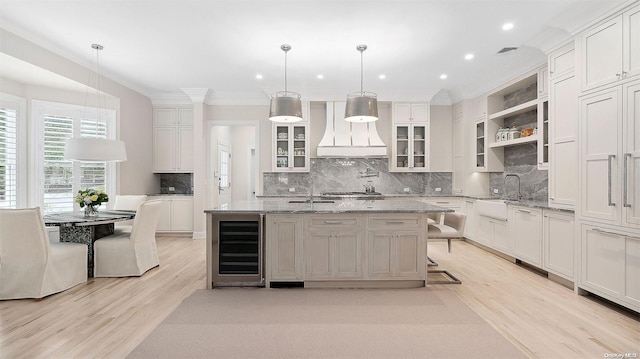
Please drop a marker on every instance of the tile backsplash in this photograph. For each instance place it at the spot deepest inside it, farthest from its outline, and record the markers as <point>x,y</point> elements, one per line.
<point>522,161</point>
<point>176,183</point>
<point>351,175</point>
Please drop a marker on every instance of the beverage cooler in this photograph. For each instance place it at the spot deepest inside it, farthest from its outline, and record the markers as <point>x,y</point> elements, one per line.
<point>237,243</point>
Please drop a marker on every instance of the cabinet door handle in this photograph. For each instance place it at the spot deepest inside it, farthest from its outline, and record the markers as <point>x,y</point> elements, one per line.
<point>626,180</point>
<point>442,202</point>
<point>609,160</point>
<point>332,222</point>
<point>523,211</point>
<point>552,198</point>
<point>624,74</point>
<point>618,76</point>
<point>614,233</point>
<point>394,222</point>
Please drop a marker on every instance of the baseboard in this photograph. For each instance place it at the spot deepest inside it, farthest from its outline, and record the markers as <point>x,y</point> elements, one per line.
<point>199,235</point>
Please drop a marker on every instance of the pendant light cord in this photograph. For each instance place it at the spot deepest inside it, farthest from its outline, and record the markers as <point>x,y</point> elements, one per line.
<point>285,71</point>
<point>361,71</point>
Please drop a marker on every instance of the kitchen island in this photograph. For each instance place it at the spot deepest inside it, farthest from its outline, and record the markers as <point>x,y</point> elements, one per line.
<point>322,243</point>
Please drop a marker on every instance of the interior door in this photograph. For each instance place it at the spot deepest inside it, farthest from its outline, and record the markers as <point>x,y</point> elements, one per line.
<point>224,174</point>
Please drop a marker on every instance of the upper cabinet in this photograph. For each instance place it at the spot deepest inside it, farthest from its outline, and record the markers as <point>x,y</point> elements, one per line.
<point>562,61</point>
<point>543,81</point>
<point>411,140</point>
<point>172,140</point>
<point>610,52</point>
<point>291,147</point>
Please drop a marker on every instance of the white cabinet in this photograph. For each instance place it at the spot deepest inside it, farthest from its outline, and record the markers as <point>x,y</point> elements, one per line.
<point>172,140</point>
<point>333,247</point>
<point>543,134</point>
<point>459,170</point>
<point>526,230</point>
<point>471,225</point>
<point>481,108</point>
<point>558,243</point>
<point>610,156</point>
<point>609,264</point>
<point>410,148</point>
<point>543,81</point>
<point>494,233</point>
<point>176,213</point>
<point>411,112</point>
<point>563,131</point>
<point>454,203</point>
<point>609,51</point>
<point>396,244</point>
<point>562,61</point>
<point>291,147</point>
<point>284,247</point>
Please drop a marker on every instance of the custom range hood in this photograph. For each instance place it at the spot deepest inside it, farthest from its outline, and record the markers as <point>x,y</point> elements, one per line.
<point>349,139</point>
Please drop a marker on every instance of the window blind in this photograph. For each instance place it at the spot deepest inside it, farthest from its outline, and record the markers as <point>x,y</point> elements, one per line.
<point>58,173</point>
<point>8,158</point>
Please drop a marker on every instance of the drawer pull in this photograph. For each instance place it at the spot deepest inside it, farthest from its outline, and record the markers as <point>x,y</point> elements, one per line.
<point>524,211</point>
<point>332,222</point>
<point>442,202</point>
<point>394,222</point>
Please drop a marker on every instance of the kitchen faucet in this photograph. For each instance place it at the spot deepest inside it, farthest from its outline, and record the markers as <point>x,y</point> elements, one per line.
<point>368,187</point>
<point>520,196</point>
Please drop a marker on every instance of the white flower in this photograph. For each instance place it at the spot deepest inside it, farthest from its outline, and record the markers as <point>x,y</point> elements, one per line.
<point>87,200</point>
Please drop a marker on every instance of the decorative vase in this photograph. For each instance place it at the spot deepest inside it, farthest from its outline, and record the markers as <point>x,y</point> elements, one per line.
<point>90,211</point>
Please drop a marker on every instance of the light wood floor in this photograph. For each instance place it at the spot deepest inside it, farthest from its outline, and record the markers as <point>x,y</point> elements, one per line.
<point>107,318</point>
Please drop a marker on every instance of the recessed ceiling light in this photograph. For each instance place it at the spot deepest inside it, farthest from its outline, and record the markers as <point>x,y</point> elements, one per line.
<point>259,76</point>
<point>320,76</point>
<point>507,26</point>
<point>468,56</point>
<point>443,76</point>
<point>382,76</point>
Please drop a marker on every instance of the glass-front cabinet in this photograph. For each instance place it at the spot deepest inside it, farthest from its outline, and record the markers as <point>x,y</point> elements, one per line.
<point>291,147</point>
<point>410,148</point>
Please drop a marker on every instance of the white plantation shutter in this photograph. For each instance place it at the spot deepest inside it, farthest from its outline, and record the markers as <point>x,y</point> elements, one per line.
<point>58,173</point>
<point>63,179</point>
<point>8,158</point>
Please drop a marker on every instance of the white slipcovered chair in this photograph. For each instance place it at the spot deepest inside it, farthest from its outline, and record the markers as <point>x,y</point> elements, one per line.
<point>30,265</point>
<point>130,254</point>
<point>126,203</point>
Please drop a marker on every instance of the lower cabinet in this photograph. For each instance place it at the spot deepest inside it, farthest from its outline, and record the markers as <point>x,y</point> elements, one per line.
<point>610,265</point>
<point>558,243</point>
<point>284,247</point>
<point>333,247</point>
<point>471,226</point>
<point>176,214</point>
<point>395,246</point>
<point>494,233</point>
<point>526,230</point>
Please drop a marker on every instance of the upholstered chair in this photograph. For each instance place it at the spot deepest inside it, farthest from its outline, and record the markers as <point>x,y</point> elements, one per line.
<point>451,227</point>
<point>126,203</point>
<point>130,254</point>
<point>30,265</point>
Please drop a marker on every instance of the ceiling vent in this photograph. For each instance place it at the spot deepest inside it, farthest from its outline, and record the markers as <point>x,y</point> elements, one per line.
<point>507,49</point>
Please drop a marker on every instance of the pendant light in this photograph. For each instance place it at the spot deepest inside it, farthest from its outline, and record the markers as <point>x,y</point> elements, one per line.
<point>285,106</point>
<point>361,106</point>
<point>94,149</point>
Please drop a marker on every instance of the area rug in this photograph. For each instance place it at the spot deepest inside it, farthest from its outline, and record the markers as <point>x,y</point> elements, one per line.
<point>324,323</point>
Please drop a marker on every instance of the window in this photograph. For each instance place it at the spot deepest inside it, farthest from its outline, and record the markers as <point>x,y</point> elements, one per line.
<point>63,179</point>
<point>12,156</point>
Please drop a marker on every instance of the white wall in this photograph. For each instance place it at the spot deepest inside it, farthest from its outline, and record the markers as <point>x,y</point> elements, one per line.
<point>243,140</point>
<point>135,110</point>
<point>441,146</point>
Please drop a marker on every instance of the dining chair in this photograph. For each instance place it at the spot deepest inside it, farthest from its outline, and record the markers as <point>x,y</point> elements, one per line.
<point>127,202</point>
<point>451,227</point>
<point>130,254</point>
<point>30,265</point>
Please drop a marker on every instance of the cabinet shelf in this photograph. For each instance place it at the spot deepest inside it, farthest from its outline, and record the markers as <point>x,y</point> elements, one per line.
<point>516,110</point>
<point>517,141</point>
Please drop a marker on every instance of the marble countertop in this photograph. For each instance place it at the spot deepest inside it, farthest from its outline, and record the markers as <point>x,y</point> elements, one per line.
<point>337,206</point>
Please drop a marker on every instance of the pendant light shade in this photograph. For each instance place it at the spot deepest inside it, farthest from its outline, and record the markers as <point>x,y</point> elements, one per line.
<point>89,149</point>
<point>361,106</point>
<point>95,149</point>
<point>285,106</point>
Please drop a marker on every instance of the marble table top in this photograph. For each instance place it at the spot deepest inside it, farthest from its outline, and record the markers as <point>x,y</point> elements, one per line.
<point>78,218</point>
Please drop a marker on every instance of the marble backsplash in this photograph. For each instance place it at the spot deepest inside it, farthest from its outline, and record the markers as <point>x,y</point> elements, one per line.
<point>176,183</point>
<point>520,160</point>
<point>351,175</point>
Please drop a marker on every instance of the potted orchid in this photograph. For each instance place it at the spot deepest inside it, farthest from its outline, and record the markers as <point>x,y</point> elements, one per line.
<point>90,199</point>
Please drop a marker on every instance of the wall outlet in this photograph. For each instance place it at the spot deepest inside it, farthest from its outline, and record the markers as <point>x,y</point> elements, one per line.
<point>438,189</point>
<point>406,189</point>
<point>292,189</point>
<point>495,191</point>
<point>171,189</point>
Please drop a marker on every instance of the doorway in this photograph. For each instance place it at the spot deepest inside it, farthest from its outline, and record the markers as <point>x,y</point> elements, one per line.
<point>233,168</point>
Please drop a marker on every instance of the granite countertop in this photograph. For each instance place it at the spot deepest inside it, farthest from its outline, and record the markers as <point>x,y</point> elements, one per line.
<point>337,206</point>
<point>170,194</point>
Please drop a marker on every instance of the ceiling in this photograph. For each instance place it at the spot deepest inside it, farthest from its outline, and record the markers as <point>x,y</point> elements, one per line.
<point>160,47</point>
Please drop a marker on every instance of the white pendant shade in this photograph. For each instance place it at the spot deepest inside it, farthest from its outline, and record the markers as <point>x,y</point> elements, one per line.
<point>95,150</point>
<point>285,107</point>
<point>361,107</point>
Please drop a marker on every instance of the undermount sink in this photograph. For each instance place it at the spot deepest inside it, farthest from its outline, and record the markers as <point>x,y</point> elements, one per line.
<point>309,201</point>
<point>492,208</point>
